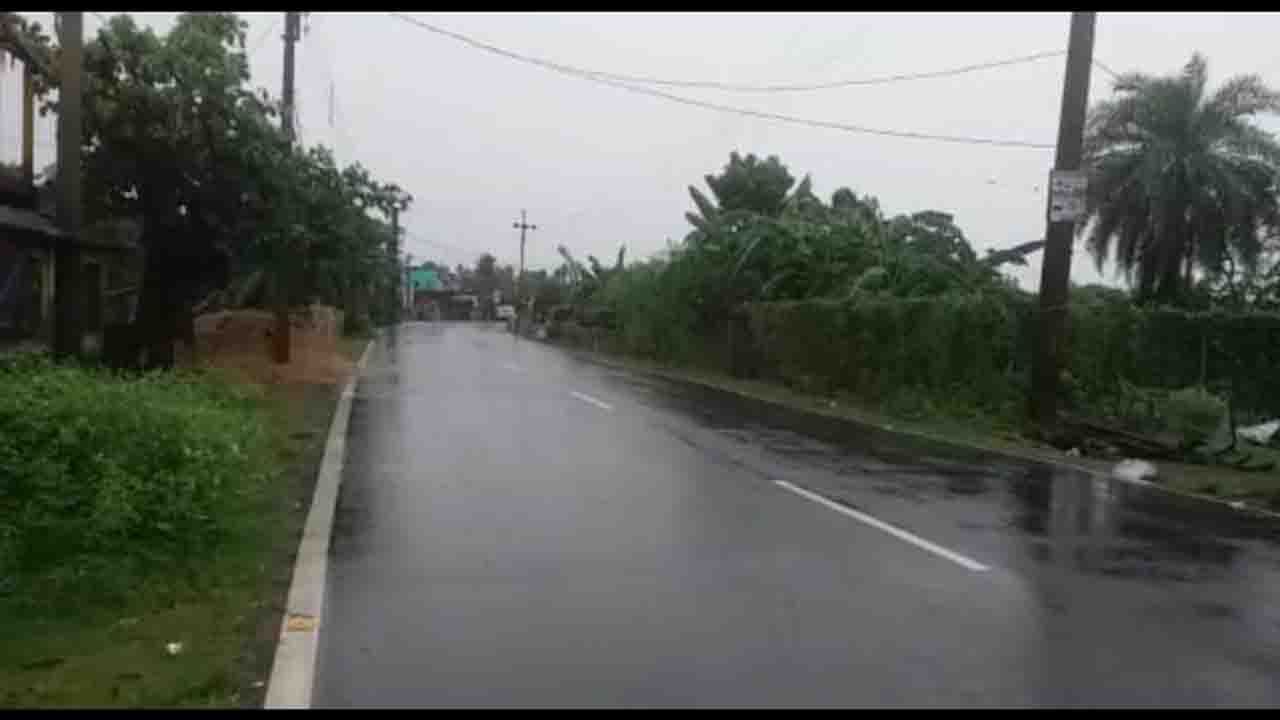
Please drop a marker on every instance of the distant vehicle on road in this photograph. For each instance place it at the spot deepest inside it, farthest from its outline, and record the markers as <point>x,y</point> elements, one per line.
<point>506,312</point>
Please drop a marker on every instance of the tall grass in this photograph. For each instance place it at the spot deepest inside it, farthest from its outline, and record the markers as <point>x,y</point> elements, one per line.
<point>105,479</point>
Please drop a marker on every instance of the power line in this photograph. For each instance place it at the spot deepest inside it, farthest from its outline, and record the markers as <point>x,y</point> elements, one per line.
<point>596,77</point>
<point>463,251</point>
<point>1099,64</point>
<point>736,87</point>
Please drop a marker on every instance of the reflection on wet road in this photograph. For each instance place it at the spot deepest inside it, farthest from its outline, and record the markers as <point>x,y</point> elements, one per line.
<point>520,528</point>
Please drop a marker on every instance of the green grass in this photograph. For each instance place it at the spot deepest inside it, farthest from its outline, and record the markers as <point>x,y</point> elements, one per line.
<point>89,646</point>
<point>1228,484</point>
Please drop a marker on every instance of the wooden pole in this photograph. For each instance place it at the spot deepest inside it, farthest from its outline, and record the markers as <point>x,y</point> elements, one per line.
<point>68,298</point>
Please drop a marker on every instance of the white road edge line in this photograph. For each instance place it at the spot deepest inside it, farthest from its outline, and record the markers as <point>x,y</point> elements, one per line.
<point>513,367</point>
<point>292,678</point>
<point>957,558</point>
<point>588,399</point>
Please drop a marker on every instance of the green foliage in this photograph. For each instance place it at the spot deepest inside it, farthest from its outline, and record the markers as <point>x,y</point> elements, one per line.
<point>29,42</point>
<point>1243,287</point>
<point>582,283</point>
<point>1113,342</point>
<point>654,314</point>
<point>757,245</point>
<point>1180,178</point>
<point>956,345</point>
<point>1102,335</point>
<point>103,478</point>
<point>1194,414</point>
<point>974,349</point>
<point>835,297</point>
<point>175,136</point>
<point>547,292</point>
<point>744,185</point>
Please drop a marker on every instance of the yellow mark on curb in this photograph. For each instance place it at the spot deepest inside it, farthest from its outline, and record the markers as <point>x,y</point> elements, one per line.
<point>300,623</point>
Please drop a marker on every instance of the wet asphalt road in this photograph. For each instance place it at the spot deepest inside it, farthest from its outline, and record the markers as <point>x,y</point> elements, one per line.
<point>519,528</point>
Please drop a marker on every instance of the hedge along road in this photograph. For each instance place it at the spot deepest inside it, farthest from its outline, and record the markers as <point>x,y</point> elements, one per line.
<point>519,528</point>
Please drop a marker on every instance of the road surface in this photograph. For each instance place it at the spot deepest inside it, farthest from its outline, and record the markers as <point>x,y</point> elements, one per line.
<point>517,527</point>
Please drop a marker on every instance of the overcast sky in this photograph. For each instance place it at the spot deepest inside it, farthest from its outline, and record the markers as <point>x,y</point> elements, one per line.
<point>476,137</point>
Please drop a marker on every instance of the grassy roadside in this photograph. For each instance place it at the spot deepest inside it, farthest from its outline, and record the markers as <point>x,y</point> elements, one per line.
<point>1259,490</point>
<point>225,610</point>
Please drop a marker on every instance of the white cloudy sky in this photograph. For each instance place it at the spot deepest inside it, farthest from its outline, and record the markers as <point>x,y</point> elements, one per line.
<point>476,137</point>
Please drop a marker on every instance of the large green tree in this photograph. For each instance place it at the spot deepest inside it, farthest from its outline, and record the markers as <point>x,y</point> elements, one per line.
<point>175,138</point>
<point>1180,178</point>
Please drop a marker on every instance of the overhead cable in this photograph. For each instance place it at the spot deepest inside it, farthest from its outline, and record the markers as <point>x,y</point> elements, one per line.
<point>739,87</point>
<point>599,78</point>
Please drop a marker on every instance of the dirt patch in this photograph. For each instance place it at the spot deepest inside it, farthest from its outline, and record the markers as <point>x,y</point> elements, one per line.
<point>240,341</point>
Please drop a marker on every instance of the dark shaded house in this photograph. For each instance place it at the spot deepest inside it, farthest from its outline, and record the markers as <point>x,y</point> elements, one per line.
<point>29,239</point>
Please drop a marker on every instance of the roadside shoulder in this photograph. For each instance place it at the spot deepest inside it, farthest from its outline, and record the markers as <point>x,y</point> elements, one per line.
<point>1092,468</point>
<point>293,669</point>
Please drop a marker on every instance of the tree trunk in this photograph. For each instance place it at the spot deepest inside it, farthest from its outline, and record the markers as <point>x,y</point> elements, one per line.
<point>1146,277</point>
<point>1170,280</point>
<point>174,269</point>
<point>157,316</point>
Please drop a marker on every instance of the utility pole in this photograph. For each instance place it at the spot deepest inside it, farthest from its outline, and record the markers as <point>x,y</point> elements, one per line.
<point>28,126</point>
<point>281,337</point>
<point>291,30</point>
<point>1055,273</point>
<point>68,299</point>
<point>406,292</point>
<point>522,226</point>
<point>393,250</point>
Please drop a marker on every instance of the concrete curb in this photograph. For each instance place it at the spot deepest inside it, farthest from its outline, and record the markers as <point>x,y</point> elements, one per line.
<point>1251,511</point>
<point>293,671</point>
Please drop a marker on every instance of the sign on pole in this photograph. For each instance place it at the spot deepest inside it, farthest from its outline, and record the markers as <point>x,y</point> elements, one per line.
<point>1066,195</point>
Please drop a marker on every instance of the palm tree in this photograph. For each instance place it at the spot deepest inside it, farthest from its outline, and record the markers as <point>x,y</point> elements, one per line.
<point>1179,179</point>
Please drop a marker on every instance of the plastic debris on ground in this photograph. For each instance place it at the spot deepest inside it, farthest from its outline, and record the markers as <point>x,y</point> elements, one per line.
<point>1261,433</point>
<point>1135,470</point>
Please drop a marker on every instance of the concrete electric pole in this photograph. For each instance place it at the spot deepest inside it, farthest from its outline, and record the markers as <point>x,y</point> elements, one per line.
<point>522,226</point>
<point>393,251</point>
<point>1065,206</point>
<point>281,337</point>
<point>406,294</point>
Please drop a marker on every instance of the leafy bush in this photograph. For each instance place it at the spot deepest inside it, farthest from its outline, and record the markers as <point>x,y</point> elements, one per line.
<point>101,473</point>
<point>655,309</point>
<point>1194,413</point>
<point>835,296</point>
<point>957,345</point>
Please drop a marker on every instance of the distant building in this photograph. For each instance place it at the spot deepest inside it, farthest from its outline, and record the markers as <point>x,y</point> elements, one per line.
<point>425,279</point>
